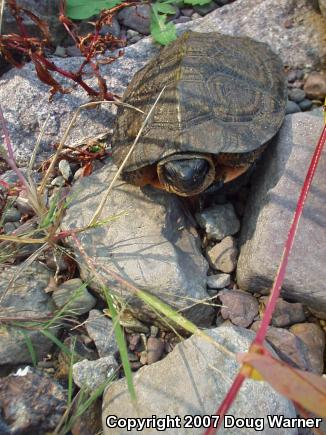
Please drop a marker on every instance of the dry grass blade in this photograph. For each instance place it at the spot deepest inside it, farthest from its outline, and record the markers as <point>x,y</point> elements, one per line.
<point>105,197</point>
<point>22,268</point>
<point>2,5</point>
<point>36,148</point>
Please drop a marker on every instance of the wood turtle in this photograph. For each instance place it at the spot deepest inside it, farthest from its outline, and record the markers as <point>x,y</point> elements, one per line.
<point>224,100</point>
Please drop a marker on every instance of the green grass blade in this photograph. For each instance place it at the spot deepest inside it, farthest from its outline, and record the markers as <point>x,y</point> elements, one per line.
<point>30,347</point>
<point>121,344</point>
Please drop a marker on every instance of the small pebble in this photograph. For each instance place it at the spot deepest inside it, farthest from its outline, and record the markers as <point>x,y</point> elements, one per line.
<point>65,169</point>
<point>218,221</point>
<point>315,86</point>
<point>58,181</point>
<point>187,12</point>
<point>60,51</point>
<point>305,104</point>
<point>238,306</point>
<point>296,95</point>
<point>131,33</point>
<point>292,76</point>
<point>10,227</point>
<point>300,74</point>
<point>314,339</point>
<point>11,215</point>
<point>292,107</point>
<point>223,256</point>
<point>74,293</point>
<point>221,280</point>
<point>285,313</point>
<point>155,349</point>
<point>23,205</point>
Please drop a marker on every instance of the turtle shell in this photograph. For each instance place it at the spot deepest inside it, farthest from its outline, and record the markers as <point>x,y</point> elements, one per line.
<point>223,94</point>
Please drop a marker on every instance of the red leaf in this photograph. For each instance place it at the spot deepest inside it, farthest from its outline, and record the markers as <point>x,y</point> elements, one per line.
<point>304,388</point>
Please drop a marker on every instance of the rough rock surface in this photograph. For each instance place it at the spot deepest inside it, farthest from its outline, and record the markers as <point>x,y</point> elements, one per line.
<point>31,403</point>
<point>314,338</point>
<point>100,329</point>
<point>301,44</point>
<point>223,256</point>
<point>269,214</point>
<point>285,313</point>
<point>293,28</point>
<point>192,386</point>
<point>219,221</point>
<point>73,294</point>
<point>238,306</point>
<point>149,243</point>
<point>91,374</point>
<point>289,347</point>
<point>25,299</point>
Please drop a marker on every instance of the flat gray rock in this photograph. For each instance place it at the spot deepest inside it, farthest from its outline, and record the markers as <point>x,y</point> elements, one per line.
<point>149,243</point>
<point>192,380</point>
<point>269,214</point>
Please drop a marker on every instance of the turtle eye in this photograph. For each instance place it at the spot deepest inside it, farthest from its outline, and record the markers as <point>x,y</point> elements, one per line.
<point>186,175</point>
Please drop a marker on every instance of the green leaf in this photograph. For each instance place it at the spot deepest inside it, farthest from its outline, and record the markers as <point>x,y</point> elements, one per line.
<point>82,9</point>
<point>164,8</point>
<point>197,2</point>
<point>162,32</point>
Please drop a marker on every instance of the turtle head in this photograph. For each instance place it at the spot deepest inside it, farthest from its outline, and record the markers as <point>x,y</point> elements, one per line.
<point>186,174</point>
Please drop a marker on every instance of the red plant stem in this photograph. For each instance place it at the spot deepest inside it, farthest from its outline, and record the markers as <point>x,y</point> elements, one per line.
<point>275,292</point>
<point>227,402</point>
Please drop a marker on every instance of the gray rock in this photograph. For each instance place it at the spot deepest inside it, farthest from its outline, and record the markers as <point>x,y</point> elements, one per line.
<point>74,295</point>
<point>314,339</point>
<point>219,221</point>
<point>297,95</point>
<point>292,107</point>
<point>10,227</point>
<point>58,181</point>
<point>305,104</point>
<point>223,256</point>
<point>220,280</point>
<point>92,374</point>
<point>238,306</point>
<point>100,329</point>
<point>269,214</point>
<point>25,299</point>
<point>288,346</point>
<point>150,244</point>
<point>315,85</point>
<point>299,45</point>
<point>31,403</point>
<point>285,313</point>
<point>155,348</point>
<point>11,215</point>
<point>187,12</point>
<point>193,385</point>
<point>112,29</point>
<point>136,18</point>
